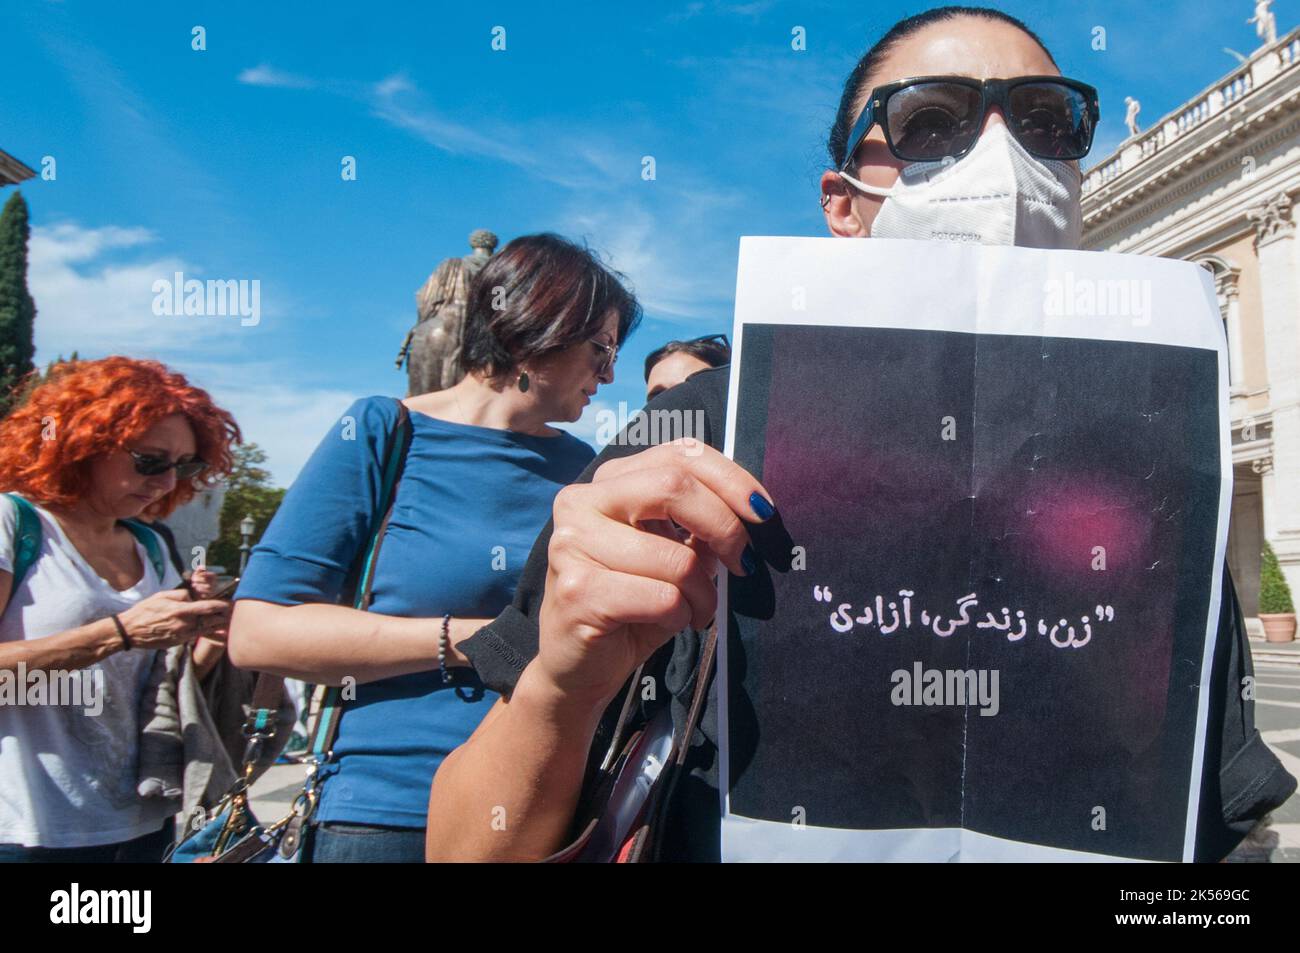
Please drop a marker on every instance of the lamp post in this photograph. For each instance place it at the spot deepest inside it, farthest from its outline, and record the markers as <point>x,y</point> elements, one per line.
<point>246,528</point>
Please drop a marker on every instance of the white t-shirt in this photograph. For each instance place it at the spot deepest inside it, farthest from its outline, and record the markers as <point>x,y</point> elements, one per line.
<point>68,777</point>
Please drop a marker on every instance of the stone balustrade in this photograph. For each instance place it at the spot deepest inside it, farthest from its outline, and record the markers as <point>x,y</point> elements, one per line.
<point>1263,66</point>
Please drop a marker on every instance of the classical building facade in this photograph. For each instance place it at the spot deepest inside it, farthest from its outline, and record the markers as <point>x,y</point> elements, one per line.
<point>1215,182</point>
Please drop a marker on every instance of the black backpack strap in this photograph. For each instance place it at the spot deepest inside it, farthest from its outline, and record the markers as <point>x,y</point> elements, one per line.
<point>169,539</point>
<point>26,542</point>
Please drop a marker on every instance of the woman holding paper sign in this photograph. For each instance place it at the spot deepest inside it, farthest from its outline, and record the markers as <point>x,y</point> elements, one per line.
<point>982,149</point>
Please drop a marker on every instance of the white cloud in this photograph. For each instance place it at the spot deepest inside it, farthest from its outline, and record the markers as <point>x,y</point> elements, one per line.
<point>753,10</point>
<point>662,233</point>
<point>432,127</point>
<point>578,165</point>
<point>392,86</point>
<point>89,300</point>
<point>130,133</point>
<point>284,420</point>
<point>264,75</point>
<point>398,101</point>
<point>676,265</point>
<point>68,242</point>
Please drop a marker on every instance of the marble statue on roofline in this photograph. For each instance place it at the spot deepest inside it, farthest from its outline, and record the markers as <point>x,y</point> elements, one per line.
<point>1265,22</point>
<point>1131,114</point>
<point>431,350</point>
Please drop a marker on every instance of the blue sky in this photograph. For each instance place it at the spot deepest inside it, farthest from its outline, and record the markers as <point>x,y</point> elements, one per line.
<point>225,163</point>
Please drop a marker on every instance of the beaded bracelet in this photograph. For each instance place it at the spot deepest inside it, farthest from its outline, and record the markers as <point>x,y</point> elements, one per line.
<point>443,641</point>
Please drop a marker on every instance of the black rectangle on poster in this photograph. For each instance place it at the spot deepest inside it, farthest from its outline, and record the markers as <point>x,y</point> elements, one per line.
<point>1049,508</point>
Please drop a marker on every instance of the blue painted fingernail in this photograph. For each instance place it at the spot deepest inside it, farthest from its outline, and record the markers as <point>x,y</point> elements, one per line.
<point>748,562</point>
<point>762,508</point>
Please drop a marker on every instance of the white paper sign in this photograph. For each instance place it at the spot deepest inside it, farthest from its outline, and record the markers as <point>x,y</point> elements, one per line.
<point>987,614</point>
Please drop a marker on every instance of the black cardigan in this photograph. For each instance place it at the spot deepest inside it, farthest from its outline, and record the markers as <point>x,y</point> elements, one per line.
<point>1249,783</point>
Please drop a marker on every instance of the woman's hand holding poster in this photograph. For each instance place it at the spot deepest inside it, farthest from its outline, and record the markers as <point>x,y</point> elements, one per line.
<point>1005,476</point>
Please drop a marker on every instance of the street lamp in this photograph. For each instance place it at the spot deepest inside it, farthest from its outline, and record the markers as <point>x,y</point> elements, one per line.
<point>246,528</point>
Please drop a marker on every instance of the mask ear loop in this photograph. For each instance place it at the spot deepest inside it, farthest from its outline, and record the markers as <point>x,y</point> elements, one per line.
<point>863,187</point>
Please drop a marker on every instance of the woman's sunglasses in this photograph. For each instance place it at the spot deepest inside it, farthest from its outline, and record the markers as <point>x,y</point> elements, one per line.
<point>146,464</point>
<point>609,354</point>
<point>928,118</point>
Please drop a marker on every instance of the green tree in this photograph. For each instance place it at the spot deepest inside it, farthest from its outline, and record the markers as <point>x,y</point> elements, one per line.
<point>33,380</point>
<point>17,309</point>
<point>1274,593</point>
<point>248,493</point>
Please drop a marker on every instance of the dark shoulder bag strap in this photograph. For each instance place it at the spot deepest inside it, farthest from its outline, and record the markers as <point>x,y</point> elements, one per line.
<point>146,538</point>
<point>648,841</point>
<point>325,728</point>
<point>169,540</point>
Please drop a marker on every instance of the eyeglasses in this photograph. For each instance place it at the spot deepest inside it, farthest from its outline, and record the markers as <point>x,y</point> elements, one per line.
<point>711,339</point>
<point>932,117</point>
<point>609,356</point>
<point>146,464</point>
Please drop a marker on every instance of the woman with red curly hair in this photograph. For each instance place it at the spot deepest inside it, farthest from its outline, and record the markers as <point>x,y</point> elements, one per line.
<point>96,444</point>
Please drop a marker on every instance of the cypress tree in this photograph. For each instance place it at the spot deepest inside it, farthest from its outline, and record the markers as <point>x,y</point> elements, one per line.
<point>17,309</point>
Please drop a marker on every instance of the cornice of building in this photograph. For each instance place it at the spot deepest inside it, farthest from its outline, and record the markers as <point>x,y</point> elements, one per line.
<point>1217,216</point>
<point>1236,109</point>
<point>12,171</point>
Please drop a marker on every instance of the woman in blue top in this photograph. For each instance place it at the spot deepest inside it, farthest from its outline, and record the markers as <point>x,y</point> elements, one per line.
<point>543,326</point>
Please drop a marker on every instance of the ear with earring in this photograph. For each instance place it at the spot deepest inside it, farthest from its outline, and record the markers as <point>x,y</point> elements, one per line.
<point>522,382</point>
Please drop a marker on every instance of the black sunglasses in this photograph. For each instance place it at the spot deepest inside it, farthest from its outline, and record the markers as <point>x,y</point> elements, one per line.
<point>928,118</point>
<point>146,464</point>
<point>711,339</point>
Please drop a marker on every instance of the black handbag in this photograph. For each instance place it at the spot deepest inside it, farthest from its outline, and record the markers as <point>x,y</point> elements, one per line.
<point>633,791</point>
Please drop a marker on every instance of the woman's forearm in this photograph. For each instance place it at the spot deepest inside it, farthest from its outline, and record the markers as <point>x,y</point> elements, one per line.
<point>510,792</point>
<point>64,651</point>
<point>205,654</point>
<point>326,644</point>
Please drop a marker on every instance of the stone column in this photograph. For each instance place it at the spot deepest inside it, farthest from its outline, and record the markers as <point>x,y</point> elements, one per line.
<point>1232,329</point>
<point>1279,278</point>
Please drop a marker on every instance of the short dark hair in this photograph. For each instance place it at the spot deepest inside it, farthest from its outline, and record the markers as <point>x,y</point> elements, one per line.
<point>712,352</point>
<point>541,293</point>
<point>856,84</point>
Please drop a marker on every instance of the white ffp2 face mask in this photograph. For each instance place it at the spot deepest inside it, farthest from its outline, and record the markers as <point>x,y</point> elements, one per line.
<point>997,194</point>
